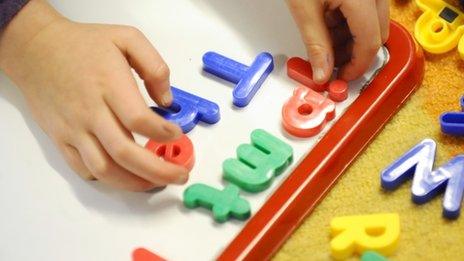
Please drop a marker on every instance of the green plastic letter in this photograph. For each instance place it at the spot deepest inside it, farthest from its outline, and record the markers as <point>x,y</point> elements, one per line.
<point>258,163</point>
<point>224,204</point>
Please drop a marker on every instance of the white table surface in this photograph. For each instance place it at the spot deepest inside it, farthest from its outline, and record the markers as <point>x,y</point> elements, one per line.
<point>48,213</point>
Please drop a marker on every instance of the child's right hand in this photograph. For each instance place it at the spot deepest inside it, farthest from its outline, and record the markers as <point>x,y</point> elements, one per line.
<point>346,33</point>
<point>78,83</point>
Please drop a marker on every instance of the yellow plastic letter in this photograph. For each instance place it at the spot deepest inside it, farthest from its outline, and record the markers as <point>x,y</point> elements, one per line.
<point>377,232</point>
<point>440,27</point>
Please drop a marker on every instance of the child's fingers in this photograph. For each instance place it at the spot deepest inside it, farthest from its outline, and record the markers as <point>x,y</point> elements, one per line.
<point>341,35</point>
<point>333,18</point>
<point>383,12</point>
<point>133,157</point>
<point>127,103</point>
<point>343,53</point>
<point>147,62</point>
<point>365,29</point>
<point>106,170</point>
<point>73,158</point>
<point>311,22</point>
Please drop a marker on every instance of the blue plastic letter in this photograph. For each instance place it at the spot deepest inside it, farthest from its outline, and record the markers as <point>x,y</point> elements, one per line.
<point>418,162</point>
<point>452,123</point>
<point>187,109</point>
<point>247,79</point>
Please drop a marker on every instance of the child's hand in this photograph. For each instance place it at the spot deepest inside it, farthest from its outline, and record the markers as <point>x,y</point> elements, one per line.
<point>78,83</point>
<point>346,33</point>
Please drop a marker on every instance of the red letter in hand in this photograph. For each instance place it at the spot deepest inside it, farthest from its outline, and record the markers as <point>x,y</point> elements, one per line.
<point>301,71</point>
<point>179,152</point>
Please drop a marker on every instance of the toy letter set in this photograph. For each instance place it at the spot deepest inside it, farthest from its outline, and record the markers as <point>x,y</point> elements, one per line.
<point>263,142</point>
<point>243,155</point>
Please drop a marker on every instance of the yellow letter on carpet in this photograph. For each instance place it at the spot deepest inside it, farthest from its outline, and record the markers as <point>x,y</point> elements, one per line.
<point>378,232</point>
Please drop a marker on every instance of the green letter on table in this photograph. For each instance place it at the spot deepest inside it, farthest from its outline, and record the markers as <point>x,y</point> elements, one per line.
<point>258,163</point>
<point>224,204</point>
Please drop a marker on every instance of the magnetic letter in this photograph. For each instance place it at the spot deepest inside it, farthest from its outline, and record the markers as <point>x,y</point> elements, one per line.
<point>378,232</point>
<point>258,163</point>
<point>248,79</point>
<point>179,151</point>
<point>188,109</point>
<point>427,183</point>
<point>452,123</point>
<point>142,254</point>
<point>306,112</point>
<point>224,204</point>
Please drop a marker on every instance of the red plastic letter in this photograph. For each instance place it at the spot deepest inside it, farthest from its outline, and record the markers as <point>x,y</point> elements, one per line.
<point>179,152</point>
<point>301,71</point>
<point>306,112</point>
<point>141,254</point>
<point>338,90</point>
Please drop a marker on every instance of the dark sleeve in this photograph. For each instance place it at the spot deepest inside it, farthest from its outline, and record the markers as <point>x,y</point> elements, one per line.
<point>8,9</point>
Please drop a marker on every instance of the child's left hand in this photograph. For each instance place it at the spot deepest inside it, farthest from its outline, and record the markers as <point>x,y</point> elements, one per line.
<point>77,80</point>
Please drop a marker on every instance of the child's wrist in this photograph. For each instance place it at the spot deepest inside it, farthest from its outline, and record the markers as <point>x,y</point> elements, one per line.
<point>23,28</point>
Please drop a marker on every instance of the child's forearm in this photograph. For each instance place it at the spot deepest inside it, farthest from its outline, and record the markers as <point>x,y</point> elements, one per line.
<point>28,22</point>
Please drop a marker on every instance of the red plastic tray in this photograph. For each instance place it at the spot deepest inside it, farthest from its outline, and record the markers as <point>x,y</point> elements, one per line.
<point>317,173</point>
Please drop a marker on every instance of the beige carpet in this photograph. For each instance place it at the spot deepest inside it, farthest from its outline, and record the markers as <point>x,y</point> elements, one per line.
<point>425,235</point>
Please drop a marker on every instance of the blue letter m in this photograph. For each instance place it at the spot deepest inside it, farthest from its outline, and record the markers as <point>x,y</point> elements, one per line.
<point>427,183</point>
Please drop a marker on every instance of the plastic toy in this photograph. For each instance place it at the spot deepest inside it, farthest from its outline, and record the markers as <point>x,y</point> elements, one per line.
<point>258,163</point>
<point>306,112</point>
<point>418,162</point>
<point>452,123</point>
<point>142,254</point>
<point>187,109</point>
<point>224,204</point>
<point>440,28</point>
<point>248,79</point>
<point>372,256</point>
<point>301,71</point>
<point>338,90</point>
<point>356,234</point>
<point>179,152</point>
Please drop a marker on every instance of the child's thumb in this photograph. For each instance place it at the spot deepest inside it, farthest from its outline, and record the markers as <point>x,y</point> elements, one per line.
<point>319,57</point>
<point>316,37</point>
